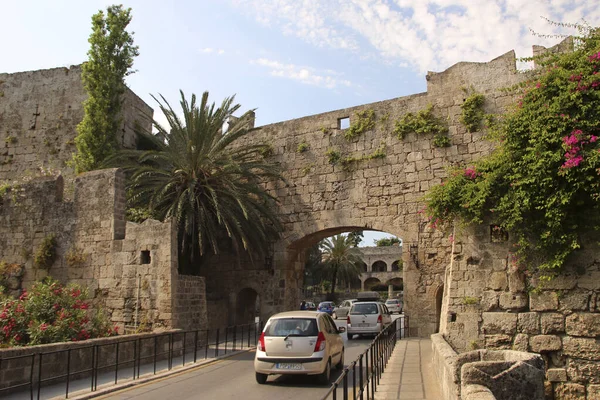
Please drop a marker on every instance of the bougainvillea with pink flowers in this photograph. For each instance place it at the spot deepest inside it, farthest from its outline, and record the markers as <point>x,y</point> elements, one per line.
<point>48,313</point>
<point>542,182</point>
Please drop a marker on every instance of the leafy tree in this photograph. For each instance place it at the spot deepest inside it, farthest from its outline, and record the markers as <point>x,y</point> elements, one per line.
<point>207,180</point>
<point>386,241</point>
<point>341,260</point>
<point>541,183</point>
<point>111,57</point>
<point>356,237</point>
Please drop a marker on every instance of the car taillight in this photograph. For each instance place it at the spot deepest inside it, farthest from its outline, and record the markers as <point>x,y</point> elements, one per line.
<point>320,345</point>
<point>348,320</point>
<point>261,342</point>
<point>379,319</point>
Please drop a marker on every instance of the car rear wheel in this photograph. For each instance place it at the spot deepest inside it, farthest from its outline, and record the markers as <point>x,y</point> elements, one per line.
<point>340,365</point>
<point>325,376</point>
<point>350,336</point>
<point>261,378</point>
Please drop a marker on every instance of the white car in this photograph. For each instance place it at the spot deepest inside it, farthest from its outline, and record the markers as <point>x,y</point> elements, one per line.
<point>342,310</point>
<point>299,342</point>
<point>367,318</point>
<point>394,305</point>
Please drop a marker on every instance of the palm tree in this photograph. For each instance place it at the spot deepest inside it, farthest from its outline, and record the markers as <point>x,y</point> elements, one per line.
<point>341,259</point>
<point>209,181</point>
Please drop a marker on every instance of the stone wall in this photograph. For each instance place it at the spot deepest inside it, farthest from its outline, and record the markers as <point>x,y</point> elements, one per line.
<point>129,269</point>
<point>39,113</point>
<point>319,199</point>
<point>490,305</point>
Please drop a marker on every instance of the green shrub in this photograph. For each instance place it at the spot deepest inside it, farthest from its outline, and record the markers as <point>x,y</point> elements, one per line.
<point>472,111</point>
<point>365,121</point>
<point>441,141</point>
<point>422,122</point>
<point>302,147</point>
<point>50,313</point>
<point>333,156</point>
<point>46,253</point>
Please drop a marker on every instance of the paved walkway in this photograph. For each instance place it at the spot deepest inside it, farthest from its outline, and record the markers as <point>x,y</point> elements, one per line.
<point>409,374</point>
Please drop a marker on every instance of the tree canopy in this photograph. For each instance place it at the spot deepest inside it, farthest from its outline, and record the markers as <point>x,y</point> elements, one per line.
<point>341,259</point>
<point>111,57</point>
<point>205,179</point>
<point>542,181</point>
<point>386,241</point>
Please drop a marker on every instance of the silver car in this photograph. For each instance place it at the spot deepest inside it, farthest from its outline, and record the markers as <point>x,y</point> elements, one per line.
<point>342,310</point>
<point>299,342</point>
<point>394,305</point>
<point>369,317</point>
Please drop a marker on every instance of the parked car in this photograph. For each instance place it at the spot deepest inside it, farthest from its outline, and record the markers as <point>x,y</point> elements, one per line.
<point>341,311</point>
<point>310,306</point>
<point>369,317</point>
<point>326,306</point>
<point>299,342</point>
<point>394,305</point>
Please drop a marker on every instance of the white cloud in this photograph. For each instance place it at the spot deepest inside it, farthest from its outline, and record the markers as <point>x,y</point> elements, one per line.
<point>210,50</point>
<point>307,75</point>
<point>426,34</point>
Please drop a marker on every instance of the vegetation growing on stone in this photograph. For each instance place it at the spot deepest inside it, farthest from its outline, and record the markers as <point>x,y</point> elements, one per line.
<point>302,147</point>
<point>541,183</point>
<point>350,161</point>
<point>365,121</point>
<point>75,257</point>
<point>422,122</point>
<point>441,140</point>
<point>10,140</point>
<point>46,252</point>
<point>472,111</point>
<point>111,57</point>
<point>333,156</point>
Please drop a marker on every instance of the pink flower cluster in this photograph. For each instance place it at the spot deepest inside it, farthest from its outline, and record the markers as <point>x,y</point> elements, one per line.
<point>595,57</point>
<point>574,144</point>
<point>471,173</point>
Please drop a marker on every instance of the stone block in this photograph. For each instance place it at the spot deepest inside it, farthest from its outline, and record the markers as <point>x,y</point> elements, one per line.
<point>498,342</point>
<point>589,281</point>
<point>583,324</point>
<point>544,301</point>
<point>583,371</point>
<point>593,392</point>
<point>528,323</point>
<point>575,301</point>
<point>499,322</point>
<point>521,342</point>
<point>584,348</point>
<point>552,323</point>
<point>513,301</point>
<point>569,391</point>
<point>489,300</point>
<point>497,281</point>
<point>516,281</point>
<point>556,375</point>
<point>545,343</point>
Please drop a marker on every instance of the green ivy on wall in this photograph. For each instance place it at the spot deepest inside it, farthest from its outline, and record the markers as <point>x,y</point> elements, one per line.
<point>422,122</point>
<point>365,121</point>
<point>472,111</point>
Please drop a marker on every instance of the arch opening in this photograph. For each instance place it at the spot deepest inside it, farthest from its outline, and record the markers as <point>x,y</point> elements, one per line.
<point>248,306</point>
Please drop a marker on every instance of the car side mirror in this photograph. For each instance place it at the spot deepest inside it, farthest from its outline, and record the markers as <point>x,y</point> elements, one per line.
<point>341,329</point>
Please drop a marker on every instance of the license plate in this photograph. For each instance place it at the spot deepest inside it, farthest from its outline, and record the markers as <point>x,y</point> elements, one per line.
<point>288,366</point>
<point>363,325</point>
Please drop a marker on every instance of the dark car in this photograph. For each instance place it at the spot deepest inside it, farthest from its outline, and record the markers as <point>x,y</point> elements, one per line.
<point>326,306</point>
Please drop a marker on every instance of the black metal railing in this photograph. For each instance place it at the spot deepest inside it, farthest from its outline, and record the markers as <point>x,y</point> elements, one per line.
<point>85,367</point>
<point>359,380</point>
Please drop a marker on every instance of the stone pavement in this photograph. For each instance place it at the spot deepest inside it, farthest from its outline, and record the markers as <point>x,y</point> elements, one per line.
<point>409,374</point>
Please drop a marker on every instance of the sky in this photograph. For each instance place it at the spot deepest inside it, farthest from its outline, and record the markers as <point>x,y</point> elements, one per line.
<point>289,58</point>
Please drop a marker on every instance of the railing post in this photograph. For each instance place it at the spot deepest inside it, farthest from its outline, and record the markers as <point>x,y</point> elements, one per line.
<point>68,372</point>
<point>360,380</point>
<point>345,388</point>
<point>206,344</point>
<point>30,376</point>
<point>170,361</point>
<point>226,338</point>
<point>135,356</point>
<point>234,337</point>
<point>39,386</point>
<point>93,369</point>
<point>354,380</point>
<point>155,351</point>
<point>117,363</point>
<point>195,345</point>
<point>183,355</point>
<point>217,345</point>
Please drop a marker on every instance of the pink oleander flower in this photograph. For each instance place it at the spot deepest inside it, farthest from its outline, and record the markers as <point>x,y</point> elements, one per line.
<point>471,173</point>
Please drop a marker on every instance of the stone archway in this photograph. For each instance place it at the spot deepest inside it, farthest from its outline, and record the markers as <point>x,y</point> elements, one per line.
<point>370,282</point>
<point>247,306</point>
<point>397,266</point>
<point>379,266</point>
<point>397,283</point>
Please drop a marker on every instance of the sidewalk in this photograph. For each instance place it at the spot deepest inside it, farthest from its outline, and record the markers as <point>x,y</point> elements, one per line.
<point>409,375</point>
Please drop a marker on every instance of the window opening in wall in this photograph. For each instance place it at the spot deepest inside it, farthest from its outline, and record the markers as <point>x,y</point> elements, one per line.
<point>498,234</point>
<point>344,123</point>
<point>145,257</point>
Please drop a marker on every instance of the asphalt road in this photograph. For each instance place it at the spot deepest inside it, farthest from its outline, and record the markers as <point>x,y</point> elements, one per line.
<point>233,378</point>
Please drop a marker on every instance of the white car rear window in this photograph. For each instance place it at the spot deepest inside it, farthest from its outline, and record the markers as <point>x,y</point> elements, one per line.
<point>358,309</point>
<point>292,327</point>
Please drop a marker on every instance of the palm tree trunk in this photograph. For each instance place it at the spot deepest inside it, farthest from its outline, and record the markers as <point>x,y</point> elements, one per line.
<point>333,279</point>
